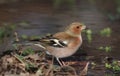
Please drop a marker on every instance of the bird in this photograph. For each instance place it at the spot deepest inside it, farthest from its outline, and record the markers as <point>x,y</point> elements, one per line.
<point>63,44</point>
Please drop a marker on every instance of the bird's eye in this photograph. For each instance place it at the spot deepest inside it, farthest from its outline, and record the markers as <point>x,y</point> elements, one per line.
<point>77,27</point>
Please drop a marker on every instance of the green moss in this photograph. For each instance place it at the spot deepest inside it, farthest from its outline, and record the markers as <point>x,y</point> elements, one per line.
<point>106,32</point>
<point>105,48</point>
<point>89,35</point>
<point>114,66</point>
<point>6,30</point>
<point>28,51</point>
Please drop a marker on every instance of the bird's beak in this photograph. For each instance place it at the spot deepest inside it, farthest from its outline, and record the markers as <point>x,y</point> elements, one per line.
<point>83,27</point>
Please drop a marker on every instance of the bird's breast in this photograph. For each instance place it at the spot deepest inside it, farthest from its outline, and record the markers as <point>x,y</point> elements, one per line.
<point>75,42</point>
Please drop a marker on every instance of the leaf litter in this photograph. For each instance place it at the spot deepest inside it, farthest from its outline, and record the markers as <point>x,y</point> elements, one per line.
<point>30,62</point>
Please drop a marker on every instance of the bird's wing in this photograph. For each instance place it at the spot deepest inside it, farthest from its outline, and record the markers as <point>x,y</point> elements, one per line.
<point>51,41</point>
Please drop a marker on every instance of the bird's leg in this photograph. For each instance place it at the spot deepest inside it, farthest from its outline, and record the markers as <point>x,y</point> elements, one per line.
<point>60,62</point>
<point>63,63</point>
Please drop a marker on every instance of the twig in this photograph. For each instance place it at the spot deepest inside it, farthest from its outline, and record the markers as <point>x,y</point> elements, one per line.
<point>84,71</point>
<point>18,59</point>
<point>75,74</point>
<point>16,37</point>
<point>50,68</point>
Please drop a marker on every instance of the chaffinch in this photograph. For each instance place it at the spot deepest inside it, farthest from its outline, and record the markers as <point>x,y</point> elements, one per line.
<point>63,44</point>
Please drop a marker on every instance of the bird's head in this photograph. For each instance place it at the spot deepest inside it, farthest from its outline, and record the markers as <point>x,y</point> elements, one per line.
<point>75,29</point>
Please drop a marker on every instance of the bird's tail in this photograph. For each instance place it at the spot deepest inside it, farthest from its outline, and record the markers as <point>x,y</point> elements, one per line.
<point>30,43</point>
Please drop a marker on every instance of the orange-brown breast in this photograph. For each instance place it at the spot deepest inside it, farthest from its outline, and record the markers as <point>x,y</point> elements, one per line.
<point>75,43</point>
